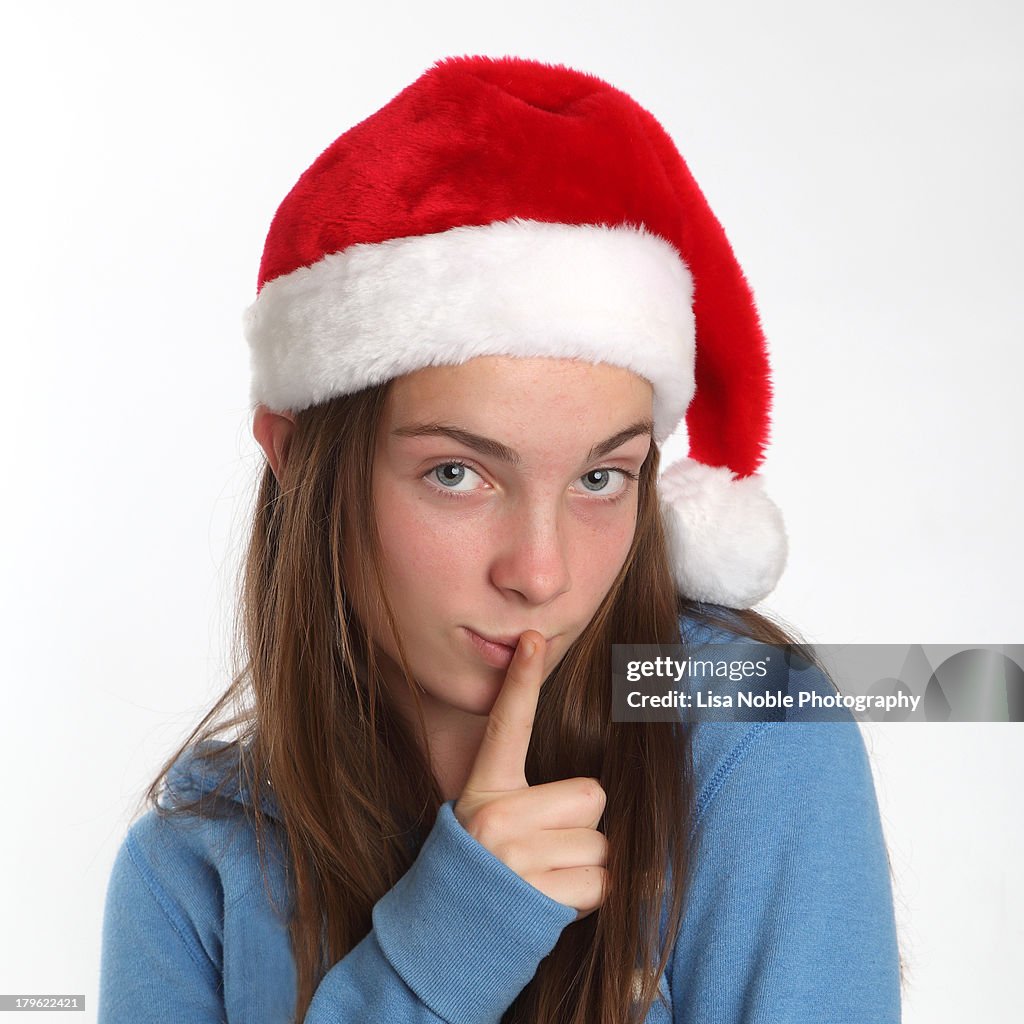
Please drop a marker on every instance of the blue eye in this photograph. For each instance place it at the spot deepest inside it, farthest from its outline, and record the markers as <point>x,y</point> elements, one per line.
<point>604,475</point>
<point>444,475</point>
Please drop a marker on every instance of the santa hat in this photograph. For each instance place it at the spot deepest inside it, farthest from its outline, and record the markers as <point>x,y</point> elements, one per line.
<point>501,206</point>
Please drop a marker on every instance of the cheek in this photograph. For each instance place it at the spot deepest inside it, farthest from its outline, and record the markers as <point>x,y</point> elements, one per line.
<point>599,553</point>
<point>424,549</point>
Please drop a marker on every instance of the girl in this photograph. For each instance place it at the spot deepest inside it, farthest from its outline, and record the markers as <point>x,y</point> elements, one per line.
<point>479,314</point>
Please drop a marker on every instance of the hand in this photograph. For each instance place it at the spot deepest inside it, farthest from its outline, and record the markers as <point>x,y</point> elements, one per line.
<point>546,834</point>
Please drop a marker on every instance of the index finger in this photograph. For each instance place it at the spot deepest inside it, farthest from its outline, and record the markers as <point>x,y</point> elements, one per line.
<point>500,762</point>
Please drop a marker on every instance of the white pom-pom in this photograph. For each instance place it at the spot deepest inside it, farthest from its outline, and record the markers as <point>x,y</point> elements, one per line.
<point>726,537</point>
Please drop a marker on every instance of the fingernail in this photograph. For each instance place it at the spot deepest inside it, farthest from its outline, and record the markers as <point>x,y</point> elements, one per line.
<point>529,646</point>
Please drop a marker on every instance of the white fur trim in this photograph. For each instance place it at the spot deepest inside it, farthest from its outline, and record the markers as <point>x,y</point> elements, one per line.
<point>619,295</point>
<point>726,537</point>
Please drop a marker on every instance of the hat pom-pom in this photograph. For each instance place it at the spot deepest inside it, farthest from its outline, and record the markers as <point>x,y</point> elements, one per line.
<point>727,539</point>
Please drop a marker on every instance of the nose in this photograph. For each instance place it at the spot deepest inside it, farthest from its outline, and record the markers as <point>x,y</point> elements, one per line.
<point>532,555</point>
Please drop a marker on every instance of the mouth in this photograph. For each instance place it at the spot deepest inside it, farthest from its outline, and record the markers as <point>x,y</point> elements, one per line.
<point>494,653</point>
<point>498,650</point>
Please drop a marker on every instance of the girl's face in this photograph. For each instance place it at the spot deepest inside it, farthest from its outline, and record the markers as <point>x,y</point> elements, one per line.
<point>505,502</point>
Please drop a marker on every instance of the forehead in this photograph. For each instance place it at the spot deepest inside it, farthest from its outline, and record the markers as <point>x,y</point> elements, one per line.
<point>521,390</point>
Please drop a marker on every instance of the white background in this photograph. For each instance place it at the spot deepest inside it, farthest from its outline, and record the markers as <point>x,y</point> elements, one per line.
<point>866,161</point>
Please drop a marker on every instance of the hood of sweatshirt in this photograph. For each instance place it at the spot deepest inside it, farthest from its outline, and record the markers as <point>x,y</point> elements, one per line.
<point>193,776</point>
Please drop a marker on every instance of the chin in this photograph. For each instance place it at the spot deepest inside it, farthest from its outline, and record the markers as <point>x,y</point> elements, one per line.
<point>473,693</point>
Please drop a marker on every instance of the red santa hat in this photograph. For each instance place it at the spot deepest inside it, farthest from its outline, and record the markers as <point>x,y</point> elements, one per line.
<point>502,206</point>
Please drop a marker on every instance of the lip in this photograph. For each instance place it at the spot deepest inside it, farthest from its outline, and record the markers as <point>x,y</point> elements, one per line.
<point>496,651</point>
<point>496,655</point>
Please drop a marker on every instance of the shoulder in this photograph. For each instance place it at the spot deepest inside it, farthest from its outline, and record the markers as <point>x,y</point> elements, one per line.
<point>790,877</point>
<point>191,863</point>
<point>747,762</point>
<point>178,886</point>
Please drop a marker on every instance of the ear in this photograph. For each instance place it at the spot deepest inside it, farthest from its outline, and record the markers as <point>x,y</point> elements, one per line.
<point>273,430</point>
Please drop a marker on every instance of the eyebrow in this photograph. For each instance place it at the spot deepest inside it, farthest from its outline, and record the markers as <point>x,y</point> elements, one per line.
<point>497,450</point>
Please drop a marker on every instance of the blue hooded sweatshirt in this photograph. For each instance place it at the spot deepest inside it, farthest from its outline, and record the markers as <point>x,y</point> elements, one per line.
<point>789,914</point>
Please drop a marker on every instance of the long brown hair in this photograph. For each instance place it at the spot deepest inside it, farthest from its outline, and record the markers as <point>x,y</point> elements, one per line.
<point>355,793</point>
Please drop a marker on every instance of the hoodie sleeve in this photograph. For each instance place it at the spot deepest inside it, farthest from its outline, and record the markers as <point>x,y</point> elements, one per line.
<point>790,914</point>
<point>455,940</point>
